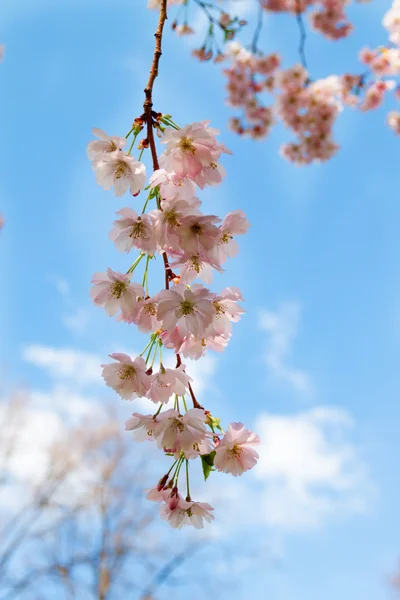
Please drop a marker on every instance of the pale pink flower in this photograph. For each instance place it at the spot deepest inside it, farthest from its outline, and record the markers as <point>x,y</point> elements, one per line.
<point>198,233</point>
<point>235,223</point>
<point>144,315</point>
<point>173,186</point>
<point>121,171</point>
<point>391,22</point>
<point>393,120</point>
<point>227,311</point>
<point>167,222</point>
<point>196,265</point>
<point>159,492</point>
<point>167,382</point>
<point>184,29</point>
<point>194,348</point>
<point>126,376</point>
<point>143,427</point>
<point>106,144</point>
<point>191,149</point>
<point>235,454</point>
<point>176,433</point>
<point>115,292</point>
<point>155,495</point>
<point>191,310</point>
<point>134,230</point>
<point>188,513</point>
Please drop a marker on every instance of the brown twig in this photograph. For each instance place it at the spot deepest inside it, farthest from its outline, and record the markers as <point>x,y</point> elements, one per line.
<point>148,114</point>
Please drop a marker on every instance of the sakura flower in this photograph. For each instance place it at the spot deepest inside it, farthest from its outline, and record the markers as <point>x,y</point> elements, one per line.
<point>177,433</point>
<point>196,265</point>
<point>133,230</point>
<point>105,145</point>
<point>167,382</point>
<point>167,222</point>
<point>391,22</point>
<point>198,233</point>
<point>194,348</point>
<point>191,310</point>
<point>115,292</point>
<point>393,120</point>
<point>226,311</point>
<point>155,495</point>
<point>173,186</point>
<point>235,454</point>
<point>191,149</point>
<point>142,426</point>
<point>144,315</point>
<point>235,223</point>
<point>188,513</point>
<point>184,29</point>
<point>127,377</point>
<point>121,171</point>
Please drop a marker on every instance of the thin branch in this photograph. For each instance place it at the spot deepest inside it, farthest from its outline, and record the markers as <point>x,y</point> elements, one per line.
<point>303,34</point>
<point>258,29</point>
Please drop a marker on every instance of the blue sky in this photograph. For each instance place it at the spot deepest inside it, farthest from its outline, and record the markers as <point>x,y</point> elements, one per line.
<point>314,363</point>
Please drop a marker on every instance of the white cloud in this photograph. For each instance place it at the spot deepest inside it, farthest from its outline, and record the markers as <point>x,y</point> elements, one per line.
<point>65,363</point>
<point>309,474</point>
<point>77,320</point>
<point>283,326</point>
<point>312,470</point>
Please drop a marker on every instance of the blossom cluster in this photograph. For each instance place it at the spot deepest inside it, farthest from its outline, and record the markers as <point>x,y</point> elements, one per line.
<point>384,62</point>
<point>308,107</point>
<point>185,317</point>
<point>329,17</point>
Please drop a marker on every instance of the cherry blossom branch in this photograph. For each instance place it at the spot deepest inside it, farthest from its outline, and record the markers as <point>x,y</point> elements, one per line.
<point>148,103</point>
<point>148,112</point>
<point>149,115</point>
<point>258,29</point>
<point>303,34</point>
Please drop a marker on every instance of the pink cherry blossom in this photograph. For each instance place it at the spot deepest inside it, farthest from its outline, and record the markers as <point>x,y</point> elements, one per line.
<point>121,171</point>
<point>188,513</point>
<point>115,292</point>
<point>391,21</point>
<point>191,149</point>
<point>173,186</point>
<point>167,382</point>
<point>192,311</point>
<point>177,433</point>
<point>235,223</point>
<point>167,222</point>
<point>143,427</point>
<point>105,145</point>
<point>134,230</point>
<point>234,454</point>
<point>198,233</point>
<point>155,495</point>
<point>196,265</point>
<point>144,315</point>
<point>127,377</point>
<point>194,348</point>
<point>393,120</point>
<point>227,311</point>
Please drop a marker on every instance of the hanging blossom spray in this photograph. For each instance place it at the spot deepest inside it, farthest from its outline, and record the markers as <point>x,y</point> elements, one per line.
<point>184,317</point>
